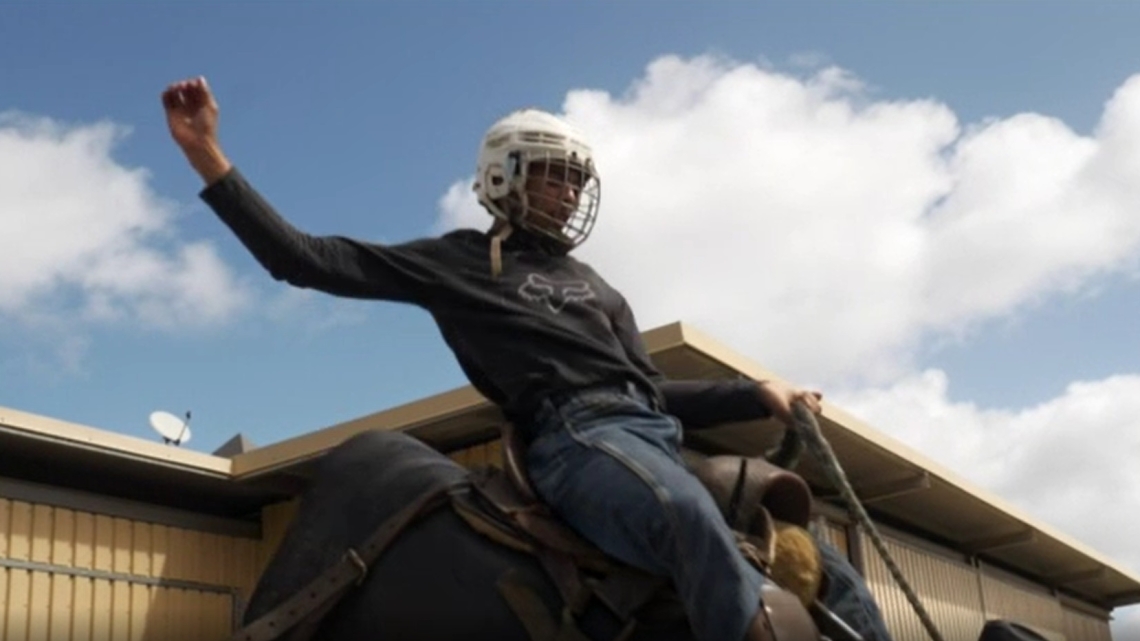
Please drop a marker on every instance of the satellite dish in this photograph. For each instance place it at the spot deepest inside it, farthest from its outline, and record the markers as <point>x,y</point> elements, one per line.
<point>172,429</point>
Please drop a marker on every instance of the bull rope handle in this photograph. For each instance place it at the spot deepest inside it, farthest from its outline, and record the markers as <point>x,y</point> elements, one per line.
<point>809,429</point>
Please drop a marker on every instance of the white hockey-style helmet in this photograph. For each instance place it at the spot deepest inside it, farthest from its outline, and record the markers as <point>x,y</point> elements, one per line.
<point>533,147</point>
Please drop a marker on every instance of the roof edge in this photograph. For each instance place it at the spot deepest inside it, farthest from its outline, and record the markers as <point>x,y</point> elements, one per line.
<point>43,428</point>
<point>408,416</point>
<point>313,444</point>
<point>714,349</point>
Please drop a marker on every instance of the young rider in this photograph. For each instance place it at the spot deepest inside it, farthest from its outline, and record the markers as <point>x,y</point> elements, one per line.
<point>543,336</point>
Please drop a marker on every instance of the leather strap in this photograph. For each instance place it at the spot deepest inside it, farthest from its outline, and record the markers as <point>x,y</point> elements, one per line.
<point>501,516</point>
<point>536,520</point>
<point>319,595</point>
<point>625,592</point>
<point>538,621</point>
<point>564,573</point>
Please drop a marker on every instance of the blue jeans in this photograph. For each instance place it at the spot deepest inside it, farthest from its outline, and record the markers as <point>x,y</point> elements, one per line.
<point>609,464</point>
<point>848,597</point>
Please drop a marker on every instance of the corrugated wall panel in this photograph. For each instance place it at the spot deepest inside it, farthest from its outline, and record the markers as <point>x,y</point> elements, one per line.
<point>3,595</point>
<point>1008,597</point>
<point>18,517</point>
<point>948,589</point>
<point>1079,626</point>
<point>77,576</point>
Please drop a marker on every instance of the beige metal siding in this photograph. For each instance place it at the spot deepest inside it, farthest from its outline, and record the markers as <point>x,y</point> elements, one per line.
<point>947,587</point>
<point>275,520</point>
<point>74,575</point>
<point>1079,626</point>
<point>835,534</point>
<point>489,453</point>
<point>1007,597</point>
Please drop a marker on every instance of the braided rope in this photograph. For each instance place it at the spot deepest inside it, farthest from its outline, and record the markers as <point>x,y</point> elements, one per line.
<point>819,447</point>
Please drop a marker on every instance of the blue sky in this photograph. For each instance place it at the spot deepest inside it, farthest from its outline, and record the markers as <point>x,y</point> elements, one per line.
<point>354,117</point>
<point>357,118</point>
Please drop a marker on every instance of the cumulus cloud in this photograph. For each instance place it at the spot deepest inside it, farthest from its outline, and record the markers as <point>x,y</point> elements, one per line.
<point>88,241</point>
<point>1031,456</point>
<point>1069,462</point>
<point>829,233</point>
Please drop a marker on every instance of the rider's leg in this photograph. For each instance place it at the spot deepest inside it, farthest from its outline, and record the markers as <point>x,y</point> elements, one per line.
<point>848,597</point>
<point>609,465</point>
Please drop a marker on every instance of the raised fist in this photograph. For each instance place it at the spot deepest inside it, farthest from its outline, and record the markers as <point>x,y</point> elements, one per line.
<point>191,113</point>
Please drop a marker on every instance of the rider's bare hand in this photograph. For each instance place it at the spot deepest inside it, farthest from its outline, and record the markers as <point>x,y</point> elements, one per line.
<point>779,399</point>
<point>192,116</point>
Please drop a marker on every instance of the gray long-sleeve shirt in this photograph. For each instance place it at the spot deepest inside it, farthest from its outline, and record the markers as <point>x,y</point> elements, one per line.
<point>547,324</point>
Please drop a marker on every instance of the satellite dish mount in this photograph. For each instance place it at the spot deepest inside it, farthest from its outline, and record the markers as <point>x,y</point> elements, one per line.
<point>173,430</point>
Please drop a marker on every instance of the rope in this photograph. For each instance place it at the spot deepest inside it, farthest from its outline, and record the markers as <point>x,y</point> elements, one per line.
<point>819,447</point>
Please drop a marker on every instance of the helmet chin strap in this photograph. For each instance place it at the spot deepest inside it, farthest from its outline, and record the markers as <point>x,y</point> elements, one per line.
<point>502,230</point>
<point>499,232</point>
<point>515,205</point>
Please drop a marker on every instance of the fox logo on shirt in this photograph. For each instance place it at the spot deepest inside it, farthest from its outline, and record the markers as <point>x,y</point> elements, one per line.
<point>556,294</point>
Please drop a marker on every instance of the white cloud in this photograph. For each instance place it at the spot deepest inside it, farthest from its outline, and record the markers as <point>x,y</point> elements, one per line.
<point>1070,462</point>
<point>1031,456</point>
<point>1126,624</point>
<point>800,220</point>
<point>829,236</point>
<point>87,240</point>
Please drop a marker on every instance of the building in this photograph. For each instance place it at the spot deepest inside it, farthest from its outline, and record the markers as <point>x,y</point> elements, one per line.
<point>104,536</point>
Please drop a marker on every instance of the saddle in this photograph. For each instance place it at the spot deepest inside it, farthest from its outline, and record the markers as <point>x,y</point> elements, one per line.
<point>504,506</point>
<point>501,504</point>
<point>757,498</point>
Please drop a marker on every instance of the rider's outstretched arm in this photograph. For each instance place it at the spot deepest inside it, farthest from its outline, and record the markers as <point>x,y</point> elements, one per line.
<point>333,264</point>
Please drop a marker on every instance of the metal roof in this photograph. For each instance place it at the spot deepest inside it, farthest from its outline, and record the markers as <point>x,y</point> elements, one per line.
<point>898,485</point>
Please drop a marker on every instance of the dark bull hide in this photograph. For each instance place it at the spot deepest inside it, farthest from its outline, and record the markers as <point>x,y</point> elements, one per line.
<point>440,579</point>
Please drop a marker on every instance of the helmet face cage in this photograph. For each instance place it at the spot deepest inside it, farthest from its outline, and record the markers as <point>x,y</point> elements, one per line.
<point>557,196</point>
<point>537,173</point>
